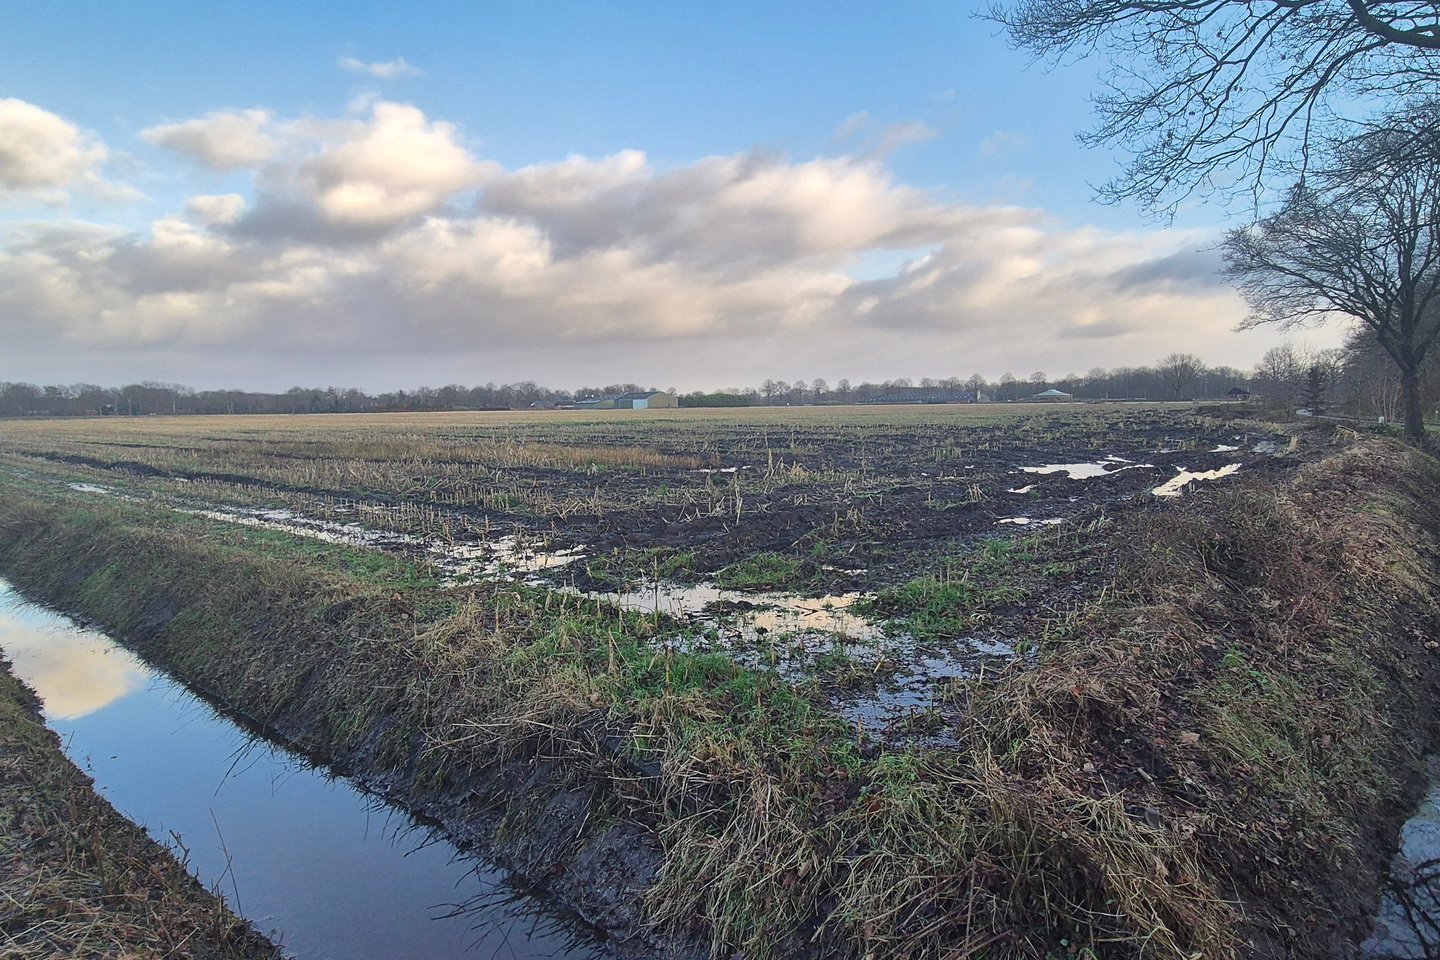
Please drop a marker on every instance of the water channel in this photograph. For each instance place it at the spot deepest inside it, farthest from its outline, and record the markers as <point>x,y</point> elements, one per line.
<point>327,870</point>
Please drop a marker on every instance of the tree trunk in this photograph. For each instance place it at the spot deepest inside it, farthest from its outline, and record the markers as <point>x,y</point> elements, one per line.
<point>1410,401</point>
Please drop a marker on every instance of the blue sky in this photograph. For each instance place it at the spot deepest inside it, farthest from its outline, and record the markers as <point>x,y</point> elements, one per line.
<point>654,192</point>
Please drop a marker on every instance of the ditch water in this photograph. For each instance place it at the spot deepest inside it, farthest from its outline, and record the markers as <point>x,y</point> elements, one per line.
<point>328,870</point>
<point>1407,925</point>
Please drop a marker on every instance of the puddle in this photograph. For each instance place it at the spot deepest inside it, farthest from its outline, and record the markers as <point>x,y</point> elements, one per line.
<point>1090,470</point>
<point>918,686</point>
<point>283,521</point>
<point>90,488</point>
<point>1176,484</point>
<point>326,868</point>
<point>1407,925</point>
<point>747,616</point>
<point>510,554</point>
<point>1266,446</point>
<point>1025,489</point>
<point>1027,521</point>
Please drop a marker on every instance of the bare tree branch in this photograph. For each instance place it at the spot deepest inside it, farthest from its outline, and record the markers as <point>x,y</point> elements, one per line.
<point>1214,96</point>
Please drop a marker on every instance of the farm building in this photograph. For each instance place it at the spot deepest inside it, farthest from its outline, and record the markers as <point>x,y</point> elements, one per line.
<point>645,400</point>
<point>595,403</point>
<point>1237,393</point>
<point>1053,396</point>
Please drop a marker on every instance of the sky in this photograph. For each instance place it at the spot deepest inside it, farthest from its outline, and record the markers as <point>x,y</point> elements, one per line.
<point>354,194</point>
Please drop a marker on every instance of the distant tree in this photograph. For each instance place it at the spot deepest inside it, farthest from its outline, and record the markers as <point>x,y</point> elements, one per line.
<point>1178,371</point>
<point>820,388</point>
<point>1313,393</point>
<point>1007,386</point>
<point>1278,373</point>
<point>1360,238</point>
<point>1212,94</point>
<point>843,388</point>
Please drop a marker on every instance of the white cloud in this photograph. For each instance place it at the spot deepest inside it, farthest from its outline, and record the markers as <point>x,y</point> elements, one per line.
<point>393,166</point>
<point>213,210</point>
<point>44,155</point>
<point>382,71</point>
<point>221,140</point>
<point>382,235</point>
<point>870,142</point>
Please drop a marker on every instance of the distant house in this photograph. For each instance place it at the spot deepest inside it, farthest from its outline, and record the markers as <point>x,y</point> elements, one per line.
<point>595,403</point>
<point>1052,396</point>
<point>1237,393</point>
<point>646,400</point>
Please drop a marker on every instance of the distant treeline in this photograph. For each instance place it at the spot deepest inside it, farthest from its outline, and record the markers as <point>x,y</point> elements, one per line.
<point>1355,380</point>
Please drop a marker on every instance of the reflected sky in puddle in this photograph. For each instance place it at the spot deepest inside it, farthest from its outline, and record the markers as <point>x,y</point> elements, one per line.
<point>511,554</point>
<point>1090,470</point>
<point>337,874</point>
<point>752,614</point>
<point>79,671</point>
<point>1177,484</point>
<point>1407,926</point>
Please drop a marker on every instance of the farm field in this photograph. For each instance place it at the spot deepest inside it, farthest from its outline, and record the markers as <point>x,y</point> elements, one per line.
<point>933,682</point>
<point>880,553</point>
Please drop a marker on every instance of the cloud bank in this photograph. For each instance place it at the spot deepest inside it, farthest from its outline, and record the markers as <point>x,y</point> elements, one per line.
<point>45,157</point>
<point>383,234</point>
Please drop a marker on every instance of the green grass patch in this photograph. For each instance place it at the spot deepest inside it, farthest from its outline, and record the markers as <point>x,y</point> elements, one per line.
<point>763,571</point>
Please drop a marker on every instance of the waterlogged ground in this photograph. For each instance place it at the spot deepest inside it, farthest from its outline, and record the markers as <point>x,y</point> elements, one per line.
<point>878,557</point>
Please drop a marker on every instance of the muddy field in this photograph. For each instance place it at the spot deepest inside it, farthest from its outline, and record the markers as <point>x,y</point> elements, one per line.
<point>876,555</point>
<point>838,499</point>
<point>846,683</point>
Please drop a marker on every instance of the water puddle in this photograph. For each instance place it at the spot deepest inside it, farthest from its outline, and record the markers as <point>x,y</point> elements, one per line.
<point>906,704</point>
<point>330,870</point>
<point>1407,925</point>
<point>746,616</point>
<point>503,555</point>
<point>457,562</point>
<point>1089,470</point>
<point>1177,484</point>
<point>1028,521</point>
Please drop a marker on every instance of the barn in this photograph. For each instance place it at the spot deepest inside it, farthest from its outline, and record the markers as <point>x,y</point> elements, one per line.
<point>646,400</point>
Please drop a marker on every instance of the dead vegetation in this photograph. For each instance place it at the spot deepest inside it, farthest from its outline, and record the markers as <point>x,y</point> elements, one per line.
<point>1207,759</point>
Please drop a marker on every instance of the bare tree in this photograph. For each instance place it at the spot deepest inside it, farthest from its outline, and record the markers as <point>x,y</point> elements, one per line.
<point>1179,370</point>
<point>1361,240</point>
<point>1207,94</point>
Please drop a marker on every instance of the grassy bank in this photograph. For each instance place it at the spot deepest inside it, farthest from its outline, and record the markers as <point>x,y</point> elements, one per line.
<point>79,880</point>
<point>1210,756</point>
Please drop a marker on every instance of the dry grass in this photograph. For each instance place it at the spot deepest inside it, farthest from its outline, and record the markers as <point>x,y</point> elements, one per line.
<point>1191,767</point>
